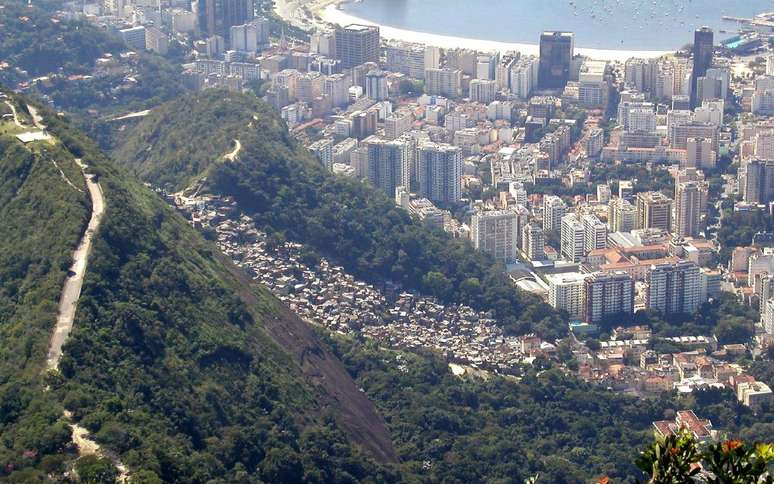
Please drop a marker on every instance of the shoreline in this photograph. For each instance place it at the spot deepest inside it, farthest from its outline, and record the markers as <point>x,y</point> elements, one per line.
<point>316,12</point>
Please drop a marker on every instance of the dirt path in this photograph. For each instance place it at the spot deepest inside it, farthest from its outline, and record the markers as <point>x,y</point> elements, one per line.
<point>37,120</point>
<point>15,115</point>
<point>87,446</point>
<point>235,152</point>
<point>64,177</point>
<point>68,303</point>
<point>71,291</point>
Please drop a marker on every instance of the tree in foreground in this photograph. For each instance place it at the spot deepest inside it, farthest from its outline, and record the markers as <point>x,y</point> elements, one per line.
<point>680,458</point>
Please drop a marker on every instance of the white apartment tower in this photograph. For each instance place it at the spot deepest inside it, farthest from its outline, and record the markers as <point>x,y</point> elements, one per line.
<point>482,91</point>
<point>607,294</point>
<point>439,172</point>
<point>690,198</point>
<point>554,209</point>
<point>594,233</point>
<point>621,215</point>
<point>388,164</point>
<point>565,292</point>
<point>572,238</point>
<point>533,241</point>
<point>495,234</point>
<point>673,288</point>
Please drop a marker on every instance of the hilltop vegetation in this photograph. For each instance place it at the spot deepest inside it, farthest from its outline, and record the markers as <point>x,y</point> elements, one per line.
<point>471,429</point>
<point>61,53</point>
<point>41,219</point>
<point>174,362</point>
<point>33,41</point>
<point>292,196</point>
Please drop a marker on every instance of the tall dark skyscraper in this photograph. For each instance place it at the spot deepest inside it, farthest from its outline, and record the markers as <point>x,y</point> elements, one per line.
<point>556,52</point>
<point>357,44</point>
<point>703,40</point>
<point>216,17</point>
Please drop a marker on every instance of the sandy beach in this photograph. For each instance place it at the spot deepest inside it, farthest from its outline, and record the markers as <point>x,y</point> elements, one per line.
<point>306,14</point>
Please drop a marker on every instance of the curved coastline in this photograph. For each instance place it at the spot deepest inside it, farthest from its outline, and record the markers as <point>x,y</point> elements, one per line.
<point>332,13</point>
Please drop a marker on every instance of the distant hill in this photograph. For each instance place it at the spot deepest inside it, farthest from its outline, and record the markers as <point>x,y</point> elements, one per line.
<point>56,56</point>
<point>181,145</point>
<point>177,362</point>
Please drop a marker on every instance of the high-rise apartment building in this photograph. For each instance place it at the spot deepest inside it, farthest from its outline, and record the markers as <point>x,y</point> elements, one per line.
<point>406,58</point>
<point>554,209</point>
<point>482,91</point>
<point>654,211</point>
<point>323,150</point>
<point>397,123</point>
<point>357,44</point>
<point>673,288</point>
<point>565,292</point>
<point>679,134</point>
<point>495,233</point>
<point>533,241</point>
<point>439,172</point>
<point>337,87</point>
<point>759,182</point>
<point>690,201</point>
<point>376,85</point>
<point>524,76</point>
<point>388,164</point>
<point>703,40</point>
<point>699,154</point>
<point>443,82</point>
<point>309,86</point>
<point>594,233</point>
<point>621,215</point>
<point>603,193</point>
<point>556,52</point>
<point>607,294</point>
<point>572,238</point>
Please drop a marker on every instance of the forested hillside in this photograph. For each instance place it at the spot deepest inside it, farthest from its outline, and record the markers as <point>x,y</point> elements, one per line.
<point>57,57</point>
<point>290,195</point>
<point>41,219</point>
<point>176,363</point>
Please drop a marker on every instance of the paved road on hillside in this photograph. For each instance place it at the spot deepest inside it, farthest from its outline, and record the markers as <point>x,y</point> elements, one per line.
<point>68,301</point>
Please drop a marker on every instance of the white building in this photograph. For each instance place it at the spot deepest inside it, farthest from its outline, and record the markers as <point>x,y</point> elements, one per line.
<point>565,293</point>
<point>572,238</point>
<point>397,123</point>
<point>673,288</point>
<point>494,232</point>
<point>594,233</point>
<point>603,193</point>
<point>533,242</point>
<point>443,82</point>
<point>439,172</point>
<point>554,209</point>
<point>406,58</point>
<point>388,164</point>
<point>323,150</point>
<point>482,91</point>
<point>524,74</point>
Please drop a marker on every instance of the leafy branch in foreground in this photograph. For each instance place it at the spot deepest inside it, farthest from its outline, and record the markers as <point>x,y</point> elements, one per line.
<point>680,458</point>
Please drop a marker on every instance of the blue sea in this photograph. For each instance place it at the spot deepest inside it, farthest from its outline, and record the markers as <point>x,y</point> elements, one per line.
<point>599,24</point>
